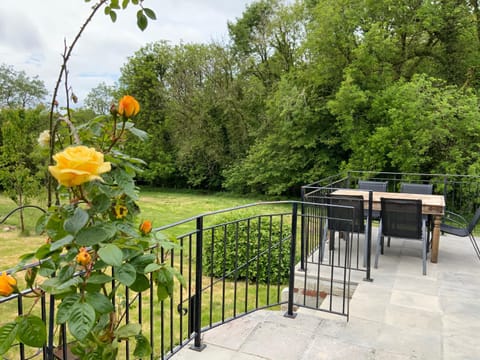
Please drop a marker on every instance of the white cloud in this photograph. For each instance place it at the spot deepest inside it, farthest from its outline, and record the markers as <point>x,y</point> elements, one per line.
<point>32,35</point>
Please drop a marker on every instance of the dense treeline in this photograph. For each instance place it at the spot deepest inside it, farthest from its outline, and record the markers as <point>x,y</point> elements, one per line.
<point>303,90</point>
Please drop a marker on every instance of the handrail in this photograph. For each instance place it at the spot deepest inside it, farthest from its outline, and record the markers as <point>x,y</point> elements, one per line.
<point>21,208</point>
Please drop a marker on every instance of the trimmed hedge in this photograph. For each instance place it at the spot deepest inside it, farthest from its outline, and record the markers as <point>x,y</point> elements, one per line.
<point>254,248</point>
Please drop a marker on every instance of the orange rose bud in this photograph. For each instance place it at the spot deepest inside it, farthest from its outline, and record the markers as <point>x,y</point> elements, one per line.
<point>146,227</point>
<point>8,284</point>
<point>83,257</point>
<point>128,106</point>
<point>30,276</point>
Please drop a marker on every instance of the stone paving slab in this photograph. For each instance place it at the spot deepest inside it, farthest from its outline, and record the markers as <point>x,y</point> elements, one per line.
<point>400,315</point>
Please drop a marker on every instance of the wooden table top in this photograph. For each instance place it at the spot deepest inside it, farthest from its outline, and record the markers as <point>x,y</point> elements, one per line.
<point>431,204</point>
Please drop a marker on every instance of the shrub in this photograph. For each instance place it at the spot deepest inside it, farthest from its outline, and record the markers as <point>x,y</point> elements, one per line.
<point>255,248</point>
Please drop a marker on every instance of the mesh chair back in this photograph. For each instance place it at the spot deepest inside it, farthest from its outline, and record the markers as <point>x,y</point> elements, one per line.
<point>416,188</point>
<point>372,185</point>
<point>342,217</point>
<point>401,218</point>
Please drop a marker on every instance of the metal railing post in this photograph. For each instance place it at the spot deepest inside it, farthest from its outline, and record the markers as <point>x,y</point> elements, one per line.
<point>291,282</point>
<point>302,236</point>
<point>197,345</point>
<point>369,237</point>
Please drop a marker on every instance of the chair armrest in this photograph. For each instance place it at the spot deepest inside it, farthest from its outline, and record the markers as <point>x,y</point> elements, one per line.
<point>451,217</point>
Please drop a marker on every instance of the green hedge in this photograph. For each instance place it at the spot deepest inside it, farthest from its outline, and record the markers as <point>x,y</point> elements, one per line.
<point>253,247</point>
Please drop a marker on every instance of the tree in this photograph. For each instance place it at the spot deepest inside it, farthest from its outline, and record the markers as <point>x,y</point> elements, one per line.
<point>19,160</point>
<point>428,127</point>
<point>17,90</point>
<point>100,98</point>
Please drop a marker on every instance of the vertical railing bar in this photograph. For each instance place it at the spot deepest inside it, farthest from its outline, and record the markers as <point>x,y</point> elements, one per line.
<point>127,319</point>
<point>248,265</point>
<point>280,258</point>
<point>180,339</point>
<point>318,279</point>
<point>346,281</point>
<point>347,250</point>
<point>51,324</point>
<point>369,236</point>
<point>309,214</point>
<point>43,306</point>
<point>269,258</point>
<point>20,312</point>
<point>224,270</point>
<point>198,346</point>
<point>211,276</point>
<point>151,317</point>
<point>191,309</point>
<point>63,334</point>
<point>304,235</point>
<point>259,234</point>
<point>172,324</point>
<point>162,312</point>
<point>235,273</point>
<point>291,282</point>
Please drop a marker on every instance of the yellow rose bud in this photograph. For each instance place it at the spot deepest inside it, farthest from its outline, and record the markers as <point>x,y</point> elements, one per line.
<point>77,165</point>
<point>146,227</point>
<point>83,257</point>
<point>128,106</point>
<point>8,284</point>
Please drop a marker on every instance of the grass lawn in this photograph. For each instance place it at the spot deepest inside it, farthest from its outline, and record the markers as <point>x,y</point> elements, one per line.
<point>162,206</point>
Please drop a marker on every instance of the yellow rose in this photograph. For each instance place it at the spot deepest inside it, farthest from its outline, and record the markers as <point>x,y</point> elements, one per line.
<point>128,106</point>
<point>77,165</point>
<point>8,284</point>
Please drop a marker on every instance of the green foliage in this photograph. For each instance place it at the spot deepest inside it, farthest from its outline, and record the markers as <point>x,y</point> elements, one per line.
<point>100,99</point>
<point>20,155</point>
<point>300,91</point>
<point>28,329</point>
<point>254,248</point>
<point>17,90</point>
<point>426,126</point>
<point>92,230</point>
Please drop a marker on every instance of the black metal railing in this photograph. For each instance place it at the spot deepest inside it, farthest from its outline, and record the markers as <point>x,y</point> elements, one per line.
<point>234,262</point>
<point>461,192</point>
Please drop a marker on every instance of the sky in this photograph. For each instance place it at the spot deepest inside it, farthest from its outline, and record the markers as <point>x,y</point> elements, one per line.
<point>33,34</point>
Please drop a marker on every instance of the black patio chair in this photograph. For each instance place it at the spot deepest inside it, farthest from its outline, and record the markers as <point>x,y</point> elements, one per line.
<point>344,215</point>
<point>464,227</point>
<point>402,218</point>
<point>414,188</point>
<point>373,186</point>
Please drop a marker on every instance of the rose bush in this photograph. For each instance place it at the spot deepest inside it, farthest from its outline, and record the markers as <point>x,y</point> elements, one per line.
<point>95,247</point>
<point>94,239</point>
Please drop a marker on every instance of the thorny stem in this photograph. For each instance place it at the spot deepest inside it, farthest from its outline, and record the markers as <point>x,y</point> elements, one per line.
<point>115,136</point>
<point>63,70</point>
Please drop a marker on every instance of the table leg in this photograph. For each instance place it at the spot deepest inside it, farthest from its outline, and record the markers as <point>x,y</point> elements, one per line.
<point>435,238</point>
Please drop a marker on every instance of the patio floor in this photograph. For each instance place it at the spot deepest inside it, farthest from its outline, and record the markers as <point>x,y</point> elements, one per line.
<point>400,315</point>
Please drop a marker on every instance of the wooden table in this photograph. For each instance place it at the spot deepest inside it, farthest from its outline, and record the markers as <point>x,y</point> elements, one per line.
<point>433,205</point>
